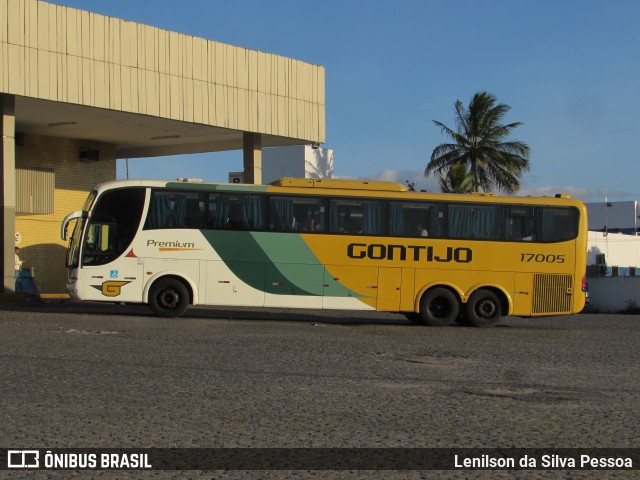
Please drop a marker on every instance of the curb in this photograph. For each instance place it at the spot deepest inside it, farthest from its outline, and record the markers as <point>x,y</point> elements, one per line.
<point>31,297</point>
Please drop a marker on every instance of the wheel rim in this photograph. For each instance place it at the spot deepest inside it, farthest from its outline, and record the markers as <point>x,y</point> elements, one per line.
<point>169,299</point>
<point>486,309</point>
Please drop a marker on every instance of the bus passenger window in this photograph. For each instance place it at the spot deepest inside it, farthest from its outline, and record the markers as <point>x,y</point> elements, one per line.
<point>236,212</point>
<point>357,217</point>
<point>416,219</point>
<point>175,210</point>
<point>520,224</point>
<point>296,214</point>
<point>559,224</point>
<point>475,222</point>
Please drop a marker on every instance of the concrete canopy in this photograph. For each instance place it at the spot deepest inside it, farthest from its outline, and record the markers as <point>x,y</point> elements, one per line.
<point>150,91</point>
<point>133,136</point>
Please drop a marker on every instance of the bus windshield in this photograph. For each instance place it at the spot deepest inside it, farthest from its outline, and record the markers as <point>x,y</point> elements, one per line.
<point>112,225</point>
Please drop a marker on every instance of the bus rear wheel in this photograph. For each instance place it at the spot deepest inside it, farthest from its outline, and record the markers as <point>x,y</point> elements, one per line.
<point>439,307</point>
<point>169,297</point>
<point>484,308</point>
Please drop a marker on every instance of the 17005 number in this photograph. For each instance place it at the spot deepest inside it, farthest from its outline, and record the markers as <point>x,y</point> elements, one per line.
<point>541,258</point>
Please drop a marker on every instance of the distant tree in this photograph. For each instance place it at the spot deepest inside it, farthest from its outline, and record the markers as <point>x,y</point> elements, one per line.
<point>458,179</point>
<point>479,145</point>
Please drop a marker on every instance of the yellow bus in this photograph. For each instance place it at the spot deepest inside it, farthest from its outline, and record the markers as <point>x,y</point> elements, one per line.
<point>329,244</point>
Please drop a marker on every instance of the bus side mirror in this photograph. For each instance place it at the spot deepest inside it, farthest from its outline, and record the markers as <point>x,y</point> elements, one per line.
<point>64,227</point>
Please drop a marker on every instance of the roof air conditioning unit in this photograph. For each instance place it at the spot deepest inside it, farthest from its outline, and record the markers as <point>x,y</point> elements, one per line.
<point>236,177</point>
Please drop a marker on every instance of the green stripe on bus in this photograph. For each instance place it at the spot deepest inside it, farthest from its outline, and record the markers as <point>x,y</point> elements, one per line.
<point>205,187</point>
<point>275,250</point>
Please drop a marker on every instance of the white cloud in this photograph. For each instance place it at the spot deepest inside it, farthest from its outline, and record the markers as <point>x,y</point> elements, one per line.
<point>403,176</point>
<point>430,184</point>
<point>388,175</point>
<point>582,193</point>
<point>551,190</point>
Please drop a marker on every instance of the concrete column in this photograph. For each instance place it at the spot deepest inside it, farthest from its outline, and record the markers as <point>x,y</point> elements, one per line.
<point>8,186</point>
<point>252,155</point>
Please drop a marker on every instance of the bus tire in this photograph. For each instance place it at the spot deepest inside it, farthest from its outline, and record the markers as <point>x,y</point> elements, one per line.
<point>439,307</point>
<point>484,308</point>
<point>168,297</point>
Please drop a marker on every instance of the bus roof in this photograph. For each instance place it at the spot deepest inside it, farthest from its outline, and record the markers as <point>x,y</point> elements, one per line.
<point>334,186</point>
<point>344,184</point>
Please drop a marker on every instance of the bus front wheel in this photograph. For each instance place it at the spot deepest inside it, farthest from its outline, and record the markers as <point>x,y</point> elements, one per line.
<point>483,308</point>
<point>169,297</point>
<point>439,307</point>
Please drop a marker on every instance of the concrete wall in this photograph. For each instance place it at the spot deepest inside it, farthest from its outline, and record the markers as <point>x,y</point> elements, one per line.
<point>619,250</point>
<point>614,294</point>
<point>616,283</point>
<point>41,246</point>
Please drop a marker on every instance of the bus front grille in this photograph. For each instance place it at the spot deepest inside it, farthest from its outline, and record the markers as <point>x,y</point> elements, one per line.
<point>552,293</point>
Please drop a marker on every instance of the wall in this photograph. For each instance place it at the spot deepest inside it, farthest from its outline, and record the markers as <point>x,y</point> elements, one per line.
<point>41,246</point>
<point>614,294</point>
<point>620,250</point>
<point>617,282</point>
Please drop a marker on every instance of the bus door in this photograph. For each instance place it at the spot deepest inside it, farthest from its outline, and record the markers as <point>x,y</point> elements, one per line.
<point>389,288</point>
<point>107,271</point>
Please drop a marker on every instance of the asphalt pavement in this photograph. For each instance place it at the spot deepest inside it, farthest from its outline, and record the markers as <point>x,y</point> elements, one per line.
<point>97,376</point>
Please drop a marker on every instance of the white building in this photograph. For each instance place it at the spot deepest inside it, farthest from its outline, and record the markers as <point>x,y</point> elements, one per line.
<point>613,271</point>
<point>300,161</point>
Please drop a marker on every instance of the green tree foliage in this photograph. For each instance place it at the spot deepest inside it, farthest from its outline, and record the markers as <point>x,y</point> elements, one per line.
<point>457,179</point>
<point>479,144</point>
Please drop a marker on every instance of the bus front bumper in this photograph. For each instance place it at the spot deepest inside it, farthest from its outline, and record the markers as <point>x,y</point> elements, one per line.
<point>74,288</point>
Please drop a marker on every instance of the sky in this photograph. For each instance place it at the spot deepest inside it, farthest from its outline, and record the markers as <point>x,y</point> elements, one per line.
<point>569,70</point>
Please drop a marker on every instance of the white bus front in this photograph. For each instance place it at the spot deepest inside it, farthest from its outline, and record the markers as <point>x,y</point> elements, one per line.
<point>101,265</point>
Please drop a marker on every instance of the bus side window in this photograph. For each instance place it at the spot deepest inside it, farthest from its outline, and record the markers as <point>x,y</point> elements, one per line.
<point>559,224</point>
<point>296,214</point>
<point>520,224</point>
<point>217,210</point>
<point>475,221</point>
<point>175,210</point>
<point>357,217</point>
<point>416,219</point>
<point>236,212</point>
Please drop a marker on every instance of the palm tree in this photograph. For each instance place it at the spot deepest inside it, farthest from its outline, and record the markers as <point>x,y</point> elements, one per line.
<point>480,146</point>
<point>457,180</point>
